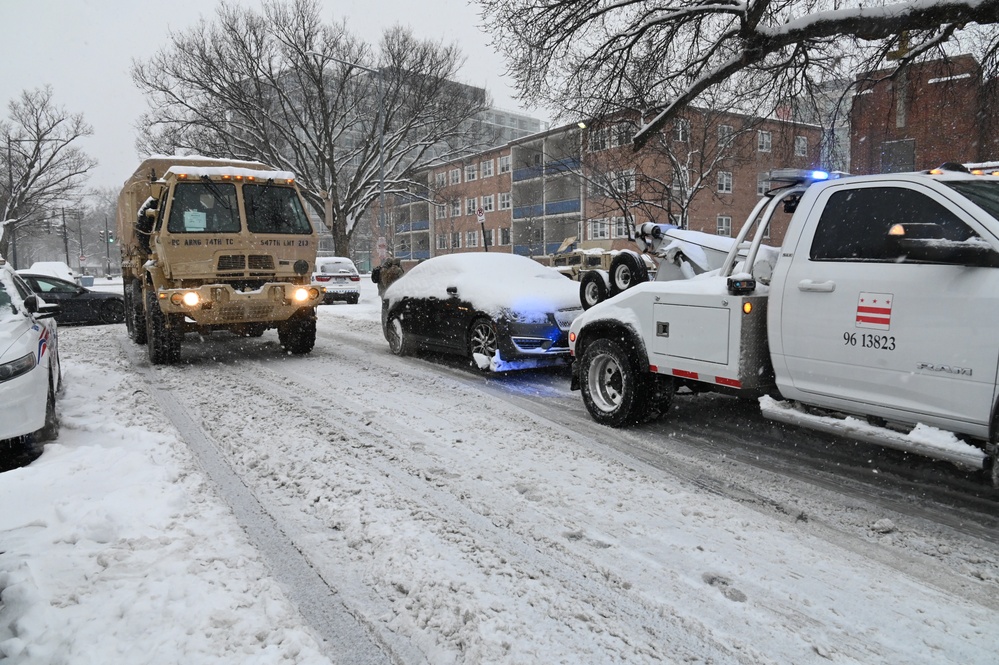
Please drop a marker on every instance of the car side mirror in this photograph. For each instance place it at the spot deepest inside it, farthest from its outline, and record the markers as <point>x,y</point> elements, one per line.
<point>39,308</point>
<point>926,242</point>
<point>452,291</point>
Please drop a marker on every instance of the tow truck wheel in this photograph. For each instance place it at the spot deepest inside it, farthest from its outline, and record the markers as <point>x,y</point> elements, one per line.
<point>298,334</point>
<point>592,289</point>
<point>611,384</point>
<point>163,341</point>
<point>627,269</point>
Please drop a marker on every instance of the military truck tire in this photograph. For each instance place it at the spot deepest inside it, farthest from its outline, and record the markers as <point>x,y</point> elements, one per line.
<point>611,384</point>
<point>298,334</point>
<point>135,313</point>
<point>163,342</point>
<point>626,270</point>
<point>592,288</point>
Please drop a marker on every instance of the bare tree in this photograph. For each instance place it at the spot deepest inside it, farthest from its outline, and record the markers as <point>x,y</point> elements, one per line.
<point>42,166</point>
<point>284,88</point>
<point>591,57</point>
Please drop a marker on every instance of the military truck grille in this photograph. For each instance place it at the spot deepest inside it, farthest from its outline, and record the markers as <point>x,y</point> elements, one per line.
<point>234,312</point>
<point>261,262</point>
<point>232,262</point>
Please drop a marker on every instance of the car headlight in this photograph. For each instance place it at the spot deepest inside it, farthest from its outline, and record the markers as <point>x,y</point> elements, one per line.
<point>16,368</point>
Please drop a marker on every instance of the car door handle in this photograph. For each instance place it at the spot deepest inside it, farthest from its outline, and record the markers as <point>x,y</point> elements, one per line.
<point>817,287</point>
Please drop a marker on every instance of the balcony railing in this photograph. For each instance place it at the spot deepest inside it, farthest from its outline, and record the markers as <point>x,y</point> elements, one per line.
<point>550,168</point>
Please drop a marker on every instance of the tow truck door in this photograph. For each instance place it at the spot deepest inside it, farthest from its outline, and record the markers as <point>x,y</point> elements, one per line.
<point>859,325</point>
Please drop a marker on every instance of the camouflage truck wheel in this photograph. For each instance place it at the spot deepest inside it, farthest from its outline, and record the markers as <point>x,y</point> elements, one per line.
<point>163,341</point>
<point>135,313</point>
<point>298,334</point>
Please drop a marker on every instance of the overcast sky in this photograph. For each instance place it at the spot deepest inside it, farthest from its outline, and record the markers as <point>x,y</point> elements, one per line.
<point>84,50</point>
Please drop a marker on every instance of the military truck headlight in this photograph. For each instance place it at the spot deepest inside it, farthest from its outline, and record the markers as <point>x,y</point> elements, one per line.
<point>189,298</point>
<point>301,295</point>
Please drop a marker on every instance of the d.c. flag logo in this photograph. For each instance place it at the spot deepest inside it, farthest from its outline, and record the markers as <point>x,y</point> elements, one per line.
<point>874,310</point>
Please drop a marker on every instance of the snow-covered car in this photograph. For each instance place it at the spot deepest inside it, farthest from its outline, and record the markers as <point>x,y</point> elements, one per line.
<point>29,361</point>
<point>339,278</point>
<point>77,304</point>
<point>54,269</point>
<point>501,310</point>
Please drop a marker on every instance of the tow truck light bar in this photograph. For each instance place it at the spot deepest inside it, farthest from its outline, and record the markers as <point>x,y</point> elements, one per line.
<point>796,176</point>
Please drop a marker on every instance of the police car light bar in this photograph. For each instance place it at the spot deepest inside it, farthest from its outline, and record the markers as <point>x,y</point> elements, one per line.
<point>796,176</point>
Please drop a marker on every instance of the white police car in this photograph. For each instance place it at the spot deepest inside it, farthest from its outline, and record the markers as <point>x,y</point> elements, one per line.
<point>29,362</point>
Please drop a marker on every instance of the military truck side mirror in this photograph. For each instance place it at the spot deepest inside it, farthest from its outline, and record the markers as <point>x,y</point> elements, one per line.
<point>150,213</point>
<point>156,189</point>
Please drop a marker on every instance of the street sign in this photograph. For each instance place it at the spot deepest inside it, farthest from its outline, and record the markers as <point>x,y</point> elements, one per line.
<point>480,215</point>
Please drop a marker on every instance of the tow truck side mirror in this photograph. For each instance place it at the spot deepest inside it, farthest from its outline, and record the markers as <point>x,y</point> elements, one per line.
<point>926,242</point>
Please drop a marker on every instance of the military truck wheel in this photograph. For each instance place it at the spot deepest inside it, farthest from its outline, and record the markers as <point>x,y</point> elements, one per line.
<point>592,289</point>
<point>611,384</point>
<point>298,334</point>
<point>163,342</point>
<point>135,316</point>
<point>627,269</point>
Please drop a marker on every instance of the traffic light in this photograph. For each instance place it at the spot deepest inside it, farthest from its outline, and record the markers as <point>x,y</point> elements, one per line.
<point>110,237</point>
<point>101,234</point>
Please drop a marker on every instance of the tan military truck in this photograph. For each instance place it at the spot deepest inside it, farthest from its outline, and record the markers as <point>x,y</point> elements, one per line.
<point>209,244</point>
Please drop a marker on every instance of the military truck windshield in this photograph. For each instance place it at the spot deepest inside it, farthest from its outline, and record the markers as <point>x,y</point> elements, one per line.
<point>271,209</point>
<point>984,193</point>
<point>204,207</point>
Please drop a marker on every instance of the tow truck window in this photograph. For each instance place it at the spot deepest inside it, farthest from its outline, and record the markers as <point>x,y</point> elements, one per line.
<point>200,207</point>
<point>983,193</point>
<point>271,209</point>
<point>854,223</point>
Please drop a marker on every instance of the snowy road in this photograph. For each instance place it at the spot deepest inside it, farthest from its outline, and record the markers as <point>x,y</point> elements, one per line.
<point>415,511</point>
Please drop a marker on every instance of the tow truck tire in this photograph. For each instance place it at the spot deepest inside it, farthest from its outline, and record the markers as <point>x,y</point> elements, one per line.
<point>626,270</point>
<point>592,289</point>
<point>611,384</point>
<point>163,341</point>
<point>135,314</point>
<point>298,334</point>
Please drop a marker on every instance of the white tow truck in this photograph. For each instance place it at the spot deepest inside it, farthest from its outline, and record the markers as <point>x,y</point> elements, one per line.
<point>875,320</point>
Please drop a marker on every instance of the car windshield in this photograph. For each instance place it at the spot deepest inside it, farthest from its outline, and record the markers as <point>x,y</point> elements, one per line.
<point>334,268</point>
<point>271,209</point>
<point>204,207</point>
<point>984,193</point>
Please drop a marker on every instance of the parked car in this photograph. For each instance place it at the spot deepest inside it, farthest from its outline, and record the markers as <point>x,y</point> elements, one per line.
<point>338,276</point>
<point>30,374</point>
<point>77,304</point>
<point>503,311</point>
<point>54,269</point>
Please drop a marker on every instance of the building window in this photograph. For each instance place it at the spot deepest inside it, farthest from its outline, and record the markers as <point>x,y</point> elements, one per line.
<point>440,212</point>
<point>762,183</point>
<point>471,172</point>
<point>504,164</point>
<point>619,227</point>
<point>724,182</point>
<point>800,146</point>
<point>505,201</point>
<point>486,168</point>
<point>456,240</point>
<point>625,181</point>
<point>505,236</point>
<point>723,225</point>
<point>599,229</point>
<point>598,139</point>
<point>622,134</point>
<point>487,203</point>
<point>455,176</point>
<point>763,141</point>
<point>456,208</point>
<point>681,180</point>
<point>471,239</point>
<point>681,130</point>
<point>489,239</point>
<point>441,180</point>
<point>725,133</point>
<point>470,205</point>
<point>441,241</point>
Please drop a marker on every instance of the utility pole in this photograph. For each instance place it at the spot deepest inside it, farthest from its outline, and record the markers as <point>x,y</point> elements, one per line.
<point>65,235</point>
<point>107,249</point>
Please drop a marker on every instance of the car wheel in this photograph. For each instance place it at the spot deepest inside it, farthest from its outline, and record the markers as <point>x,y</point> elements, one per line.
<point>163,340</point>
<point>611,383</point>
<point>353,300</point>
<point>112,311</point>
<point>627,269</point>
<point>482,338</point>
<point>135,315</point>
<point>298,334</point>
<point>396,336</point>
<point>50,430</point>
<point>592,289</point>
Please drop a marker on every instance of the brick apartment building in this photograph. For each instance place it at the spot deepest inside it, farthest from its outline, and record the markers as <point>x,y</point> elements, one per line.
<point>583,185</point>
<point>936,112</point>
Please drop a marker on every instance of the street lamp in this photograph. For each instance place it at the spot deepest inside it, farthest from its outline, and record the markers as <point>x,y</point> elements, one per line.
<point>381,131</point>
